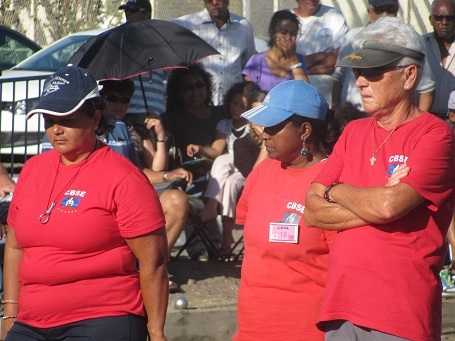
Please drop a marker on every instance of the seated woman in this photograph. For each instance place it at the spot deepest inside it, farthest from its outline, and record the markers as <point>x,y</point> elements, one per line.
<point>190,115</point>
<point>226,181</point>
<point>117,95</point>
<point>281,62</point>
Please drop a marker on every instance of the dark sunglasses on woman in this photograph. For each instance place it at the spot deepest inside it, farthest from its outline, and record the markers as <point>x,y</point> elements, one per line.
<point>116,99</point>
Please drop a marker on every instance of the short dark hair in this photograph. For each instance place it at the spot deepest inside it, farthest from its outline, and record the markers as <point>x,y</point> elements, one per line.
<point>279,16</point>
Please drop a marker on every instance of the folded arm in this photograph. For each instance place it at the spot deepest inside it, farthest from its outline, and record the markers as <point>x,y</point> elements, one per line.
<point>355,206</point>
<point>321,62</point>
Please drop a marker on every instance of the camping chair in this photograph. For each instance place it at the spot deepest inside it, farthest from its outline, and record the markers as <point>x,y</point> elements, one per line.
<point>236,251</point>
<point>200,230</point>
<point>200,168</point>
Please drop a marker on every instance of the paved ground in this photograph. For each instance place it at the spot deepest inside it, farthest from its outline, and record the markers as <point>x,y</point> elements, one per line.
<point>211,289</point>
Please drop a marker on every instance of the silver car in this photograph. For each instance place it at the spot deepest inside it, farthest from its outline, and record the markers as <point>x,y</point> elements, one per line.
<point>20,88</point>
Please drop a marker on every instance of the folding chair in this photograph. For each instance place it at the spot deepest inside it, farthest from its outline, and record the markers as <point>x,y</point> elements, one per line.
<point>200,168</point>
<point>235,252</point>
<point>200,229</point>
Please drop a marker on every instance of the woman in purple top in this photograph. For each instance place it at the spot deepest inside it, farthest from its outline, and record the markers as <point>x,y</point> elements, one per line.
<point>281,62</point>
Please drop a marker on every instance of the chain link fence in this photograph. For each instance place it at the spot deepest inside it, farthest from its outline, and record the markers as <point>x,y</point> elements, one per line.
<point>45,21</point>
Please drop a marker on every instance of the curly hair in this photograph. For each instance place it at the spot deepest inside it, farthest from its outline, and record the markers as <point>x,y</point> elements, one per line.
<point>256,97</point>
<point>246,89</point>
<point>173,100</point>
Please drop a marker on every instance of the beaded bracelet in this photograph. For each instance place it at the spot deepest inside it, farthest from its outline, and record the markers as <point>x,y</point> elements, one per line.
<point>327,190</point>
<point>9,301</point>
<point>9,317</point>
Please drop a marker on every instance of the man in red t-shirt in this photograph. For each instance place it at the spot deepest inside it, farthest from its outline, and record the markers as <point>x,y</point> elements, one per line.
<point>388,189</point>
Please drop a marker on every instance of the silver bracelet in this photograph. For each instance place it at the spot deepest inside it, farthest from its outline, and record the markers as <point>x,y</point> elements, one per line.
<point>164,176</point>
<point>296,66</point>
<point>9,317</point>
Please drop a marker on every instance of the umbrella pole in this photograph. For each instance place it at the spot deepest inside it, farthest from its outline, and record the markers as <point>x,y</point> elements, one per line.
<point>143,93</point>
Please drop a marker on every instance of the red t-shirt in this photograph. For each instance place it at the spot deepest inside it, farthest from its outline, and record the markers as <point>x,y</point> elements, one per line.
<point>78,265</point>
<point>386,277</point>
<point>282,284</point>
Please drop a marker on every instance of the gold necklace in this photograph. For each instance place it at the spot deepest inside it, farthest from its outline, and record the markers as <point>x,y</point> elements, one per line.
<point>373,158</point>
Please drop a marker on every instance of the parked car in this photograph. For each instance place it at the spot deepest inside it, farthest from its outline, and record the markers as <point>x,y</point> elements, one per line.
<point>20,88</point>
<point>14,47</point>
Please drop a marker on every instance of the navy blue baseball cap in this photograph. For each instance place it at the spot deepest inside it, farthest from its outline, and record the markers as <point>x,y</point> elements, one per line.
<point>137,5</point>
<point>382,3</point>
<point>286,99</point>
<point>65,91</point>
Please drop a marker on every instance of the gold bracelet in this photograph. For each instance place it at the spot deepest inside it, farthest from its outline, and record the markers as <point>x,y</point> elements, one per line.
<point>9,301</point>
<point>9,317</point>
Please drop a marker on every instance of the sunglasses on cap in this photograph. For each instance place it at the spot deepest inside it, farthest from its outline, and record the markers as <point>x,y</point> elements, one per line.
<point>442,17</point>
<point>116,99</point>
<point>375,73</point>
<point>134,10</point>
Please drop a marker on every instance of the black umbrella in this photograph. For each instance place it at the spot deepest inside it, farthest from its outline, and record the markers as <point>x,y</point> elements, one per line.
<point>137,47</point>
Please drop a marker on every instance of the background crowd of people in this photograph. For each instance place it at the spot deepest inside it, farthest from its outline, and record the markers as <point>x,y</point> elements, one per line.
<point>333,202</point>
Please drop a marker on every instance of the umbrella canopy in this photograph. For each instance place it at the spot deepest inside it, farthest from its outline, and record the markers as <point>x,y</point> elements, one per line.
<point>137,47</point>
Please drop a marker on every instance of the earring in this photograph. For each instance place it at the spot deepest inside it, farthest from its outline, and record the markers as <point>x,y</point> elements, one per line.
<point>304,151</point>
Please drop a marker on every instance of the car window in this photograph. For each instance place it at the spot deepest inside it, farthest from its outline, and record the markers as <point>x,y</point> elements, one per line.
<point>55,56</point>
<point>12,50</point>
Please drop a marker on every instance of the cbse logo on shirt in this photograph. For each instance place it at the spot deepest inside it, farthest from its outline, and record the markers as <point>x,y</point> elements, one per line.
<point>70,202</point>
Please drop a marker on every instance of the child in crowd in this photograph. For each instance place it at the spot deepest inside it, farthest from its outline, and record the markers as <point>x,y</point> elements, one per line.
<point>249,150</point>
<point>225,180</point>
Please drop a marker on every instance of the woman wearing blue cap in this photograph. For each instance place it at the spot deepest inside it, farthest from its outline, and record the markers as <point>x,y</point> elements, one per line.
<point>77,229</point>
<point>285,263</point>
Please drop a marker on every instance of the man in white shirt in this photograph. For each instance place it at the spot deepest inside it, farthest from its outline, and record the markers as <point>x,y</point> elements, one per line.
<point>322,29</point>
<point>230,34</point>
<point>441,53</point>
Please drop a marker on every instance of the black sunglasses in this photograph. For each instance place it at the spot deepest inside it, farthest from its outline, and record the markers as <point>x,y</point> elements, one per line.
<point>116,99</point>
<point>191,86</point>
<point>442,17</point>
<point>375,73</point>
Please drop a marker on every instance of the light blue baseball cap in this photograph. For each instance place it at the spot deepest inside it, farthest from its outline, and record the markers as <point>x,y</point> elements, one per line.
<point>288,98</point>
